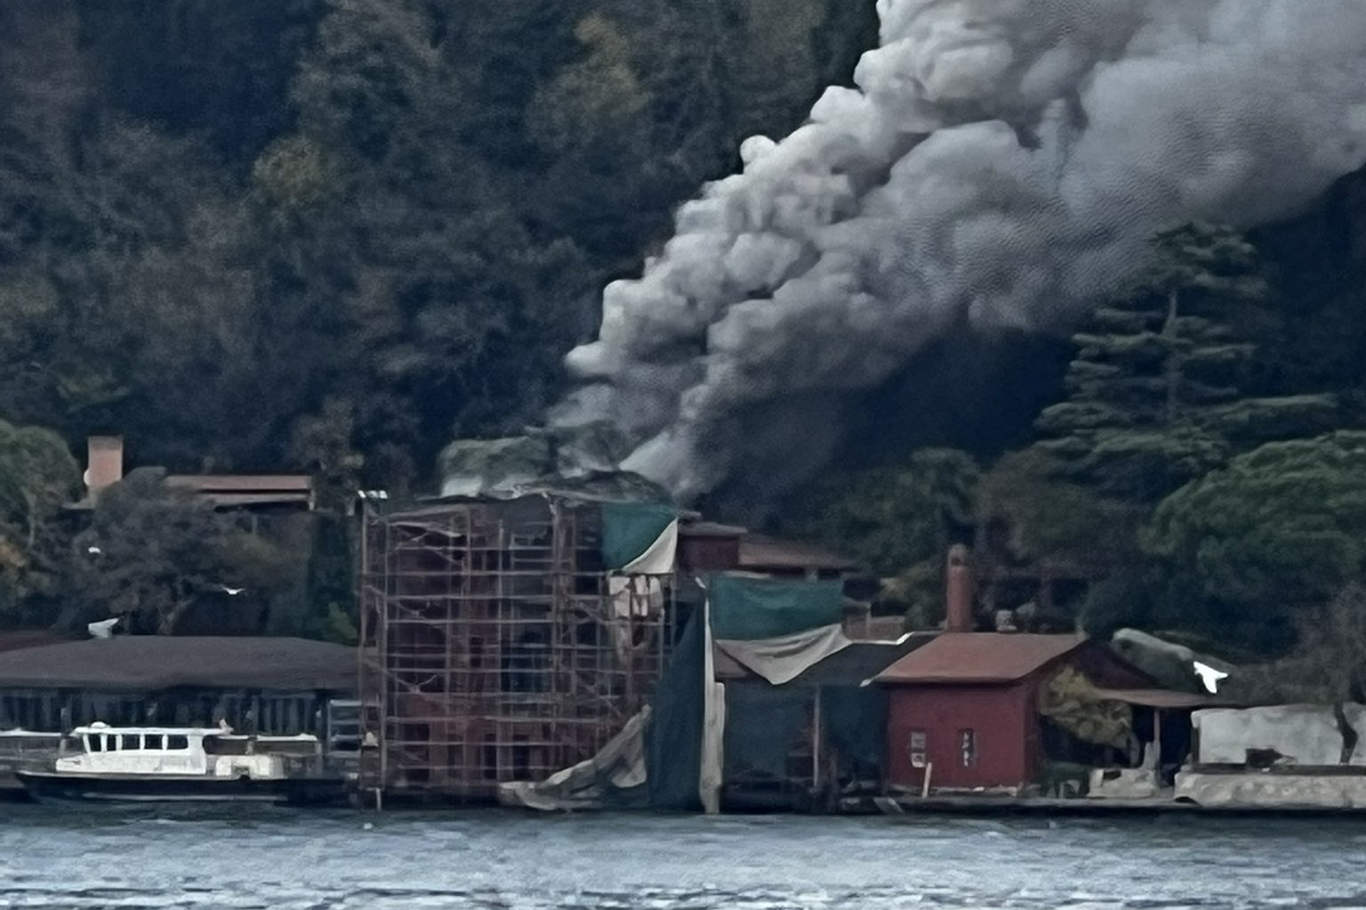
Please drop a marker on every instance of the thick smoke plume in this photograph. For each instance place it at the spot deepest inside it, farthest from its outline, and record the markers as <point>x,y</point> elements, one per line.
<point>1002,163</point>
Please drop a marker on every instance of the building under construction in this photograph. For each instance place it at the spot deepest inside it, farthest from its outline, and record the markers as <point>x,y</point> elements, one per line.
<point>500,642</point>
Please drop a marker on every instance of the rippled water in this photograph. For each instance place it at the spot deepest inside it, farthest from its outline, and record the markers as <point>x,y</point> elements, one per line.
<point>275,861</point>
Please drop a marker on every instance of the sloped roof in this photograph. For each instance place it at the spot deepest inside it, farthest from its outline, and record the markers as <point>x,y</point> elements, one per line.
<point>980,657</point>
<point>852,665</point>
<point>1157,698</point>
<point>758,552</point>
<point>862,660</point>
<point>700,528</point>
<point>152,662</point>
<point>29,638</point>
<point>243,483</point>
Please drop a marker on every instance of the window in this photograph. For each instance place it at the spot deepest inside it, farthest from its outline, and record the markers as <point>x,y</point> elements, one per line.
<point>95,743</point>
<point>153,741</point>
<point>177,743</point>
<point>916,746</point>
<point>111,742</point>
<point>131,741</point>
<point>967,744</point>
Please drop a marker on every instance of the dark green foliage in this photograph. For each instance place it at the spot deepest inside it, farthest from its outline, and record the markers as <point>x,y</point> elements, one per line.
<point>895,517</point>
<point>901,519</point>
<point>222,224</point>
<point>1116,602</point>
<point>156,553</point>
<point>1047,519</point>
<point>1281,529</point>
<point>331,582</point>
<point>1327,664</point>
<point>1158,394</point>
<point>1169,382</point>
<point>38,477</point>
<point>333,235</point>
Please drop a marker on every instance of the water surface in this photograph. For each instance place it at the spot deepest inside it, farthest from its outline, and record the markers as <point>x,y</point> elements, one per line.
<point>273,860</point>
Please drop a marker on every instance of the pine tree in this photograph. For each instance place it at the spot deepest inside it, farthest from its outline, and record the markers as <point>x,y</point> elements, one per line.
<point>1161,388</point>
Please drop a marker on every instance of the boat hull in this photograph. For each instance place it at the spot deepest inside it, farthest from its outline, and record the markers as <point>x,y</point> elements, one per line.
<point>165,788</point>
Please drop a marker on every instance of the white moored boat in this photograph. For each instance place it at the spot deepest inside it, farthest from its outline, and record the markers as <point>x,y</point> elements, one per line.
<point>180,764</point>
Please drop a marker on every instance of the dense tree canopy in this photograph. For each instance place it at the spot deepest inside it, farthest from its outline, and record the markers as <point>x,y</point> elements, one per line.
<point>153,552</point>
<point>1281,528</point>
<point>333,235</point>
<point>220,225</point>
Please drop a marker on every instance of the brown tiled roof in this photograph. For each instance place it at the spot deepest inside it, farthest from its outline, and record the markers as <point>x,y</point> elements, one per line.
<point>235,490</point>
<point>243,483</point>
<point>850,666</point>
<point>243,500</point>
<point>758,552</point>
<point>980,657</point>
<point>709,529</point>
<point>152,662</point>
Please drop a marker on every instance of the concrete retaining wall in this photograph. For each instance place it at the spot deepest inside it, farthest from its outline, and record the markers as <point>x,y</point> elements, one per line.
<point>1266,790</point>
<point>1303,734</point>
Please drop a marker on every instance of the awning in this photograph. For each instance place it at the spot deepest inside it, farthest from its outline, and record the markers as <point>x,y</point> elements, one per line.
<point>1154,698</point>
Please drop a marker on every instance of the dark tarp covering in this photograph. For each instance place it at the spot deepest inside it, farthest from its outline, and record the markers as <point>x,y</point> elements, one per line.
<point>630,528</point>
<point>763,724</point>
<point>855,723</point>
<point>749,608</point>
<point>673,751</point>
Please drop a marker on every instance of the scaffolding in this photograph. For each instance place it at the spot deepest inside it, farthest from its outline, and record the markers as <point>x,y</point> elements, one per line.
<point>496,647</point>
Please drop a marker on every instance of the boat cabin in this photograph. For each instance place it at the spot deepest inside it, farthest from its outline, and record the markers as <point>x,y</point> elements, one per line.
<point>101,749</point>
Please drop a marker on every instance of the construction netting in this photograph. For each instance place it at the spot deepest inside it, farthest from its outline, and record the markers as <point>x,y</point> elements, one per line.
<point>698,732</point>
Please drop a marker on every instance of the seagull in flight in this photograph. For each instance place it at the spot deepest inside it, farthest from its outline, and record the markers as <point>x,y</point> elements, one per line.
<point>1209,676</point>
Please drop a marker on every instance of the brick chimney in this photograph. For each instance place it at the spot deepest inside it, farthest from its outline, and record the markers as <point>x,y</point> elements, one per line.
<point>104,463</point>
<point>958,592</point>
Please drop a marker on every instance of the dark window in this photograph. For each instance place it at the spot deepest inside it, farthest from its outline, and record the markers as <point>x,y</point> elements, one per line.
<point>177,743</point>
<point>131,741</point>
<point>96,742</point>
<point>967,744</point>
<point>153,741</point>
<point>521,759</point>
<point>490,758</point>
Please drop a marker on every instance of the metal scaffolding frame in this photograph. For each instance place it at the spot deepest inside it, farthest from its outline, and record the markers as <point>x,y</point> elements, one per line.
<point>492,647</point>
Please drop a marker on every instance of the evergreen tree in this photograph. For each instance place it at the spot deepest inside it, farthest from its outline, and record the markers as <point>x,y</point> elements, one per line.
<point>1278,531</point>
<point>1159,391</point>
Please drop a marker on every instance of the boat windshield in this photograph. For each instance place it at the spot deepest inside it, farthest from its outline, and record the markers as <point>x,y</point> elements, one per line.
<point>218,745</point>
<point>126,742</point>
<point>70,745</point>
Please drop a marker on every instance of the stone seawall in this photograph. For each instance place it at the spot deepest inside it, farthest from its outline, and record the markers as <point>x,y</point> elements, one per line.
<point>1261,789</point>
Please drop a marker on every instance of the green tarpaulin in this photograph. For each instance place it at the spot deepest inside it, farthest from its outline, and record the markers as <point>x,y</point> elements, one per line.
<point>745,608</point>
<point>629,528</point>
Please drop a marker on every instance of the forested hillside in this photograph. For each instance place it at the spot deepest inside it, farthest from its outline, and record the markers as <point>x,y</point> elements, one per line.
<point>238,232</point>
<point>333,235</point>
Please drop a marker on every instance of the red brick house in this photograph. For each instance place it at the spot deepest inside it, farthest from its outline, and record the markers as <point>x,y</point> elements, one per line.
<point>963,710</point>
<point>966,704</point>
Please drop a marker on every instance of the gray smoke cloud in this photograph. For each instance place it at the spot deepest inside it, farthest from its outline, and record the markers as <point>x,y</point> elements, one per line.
<point>1001,164</point>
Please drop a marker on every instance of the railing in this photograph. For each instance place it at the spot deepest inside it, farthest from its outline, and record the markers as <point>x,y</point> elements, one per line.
<point>20,750</point>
